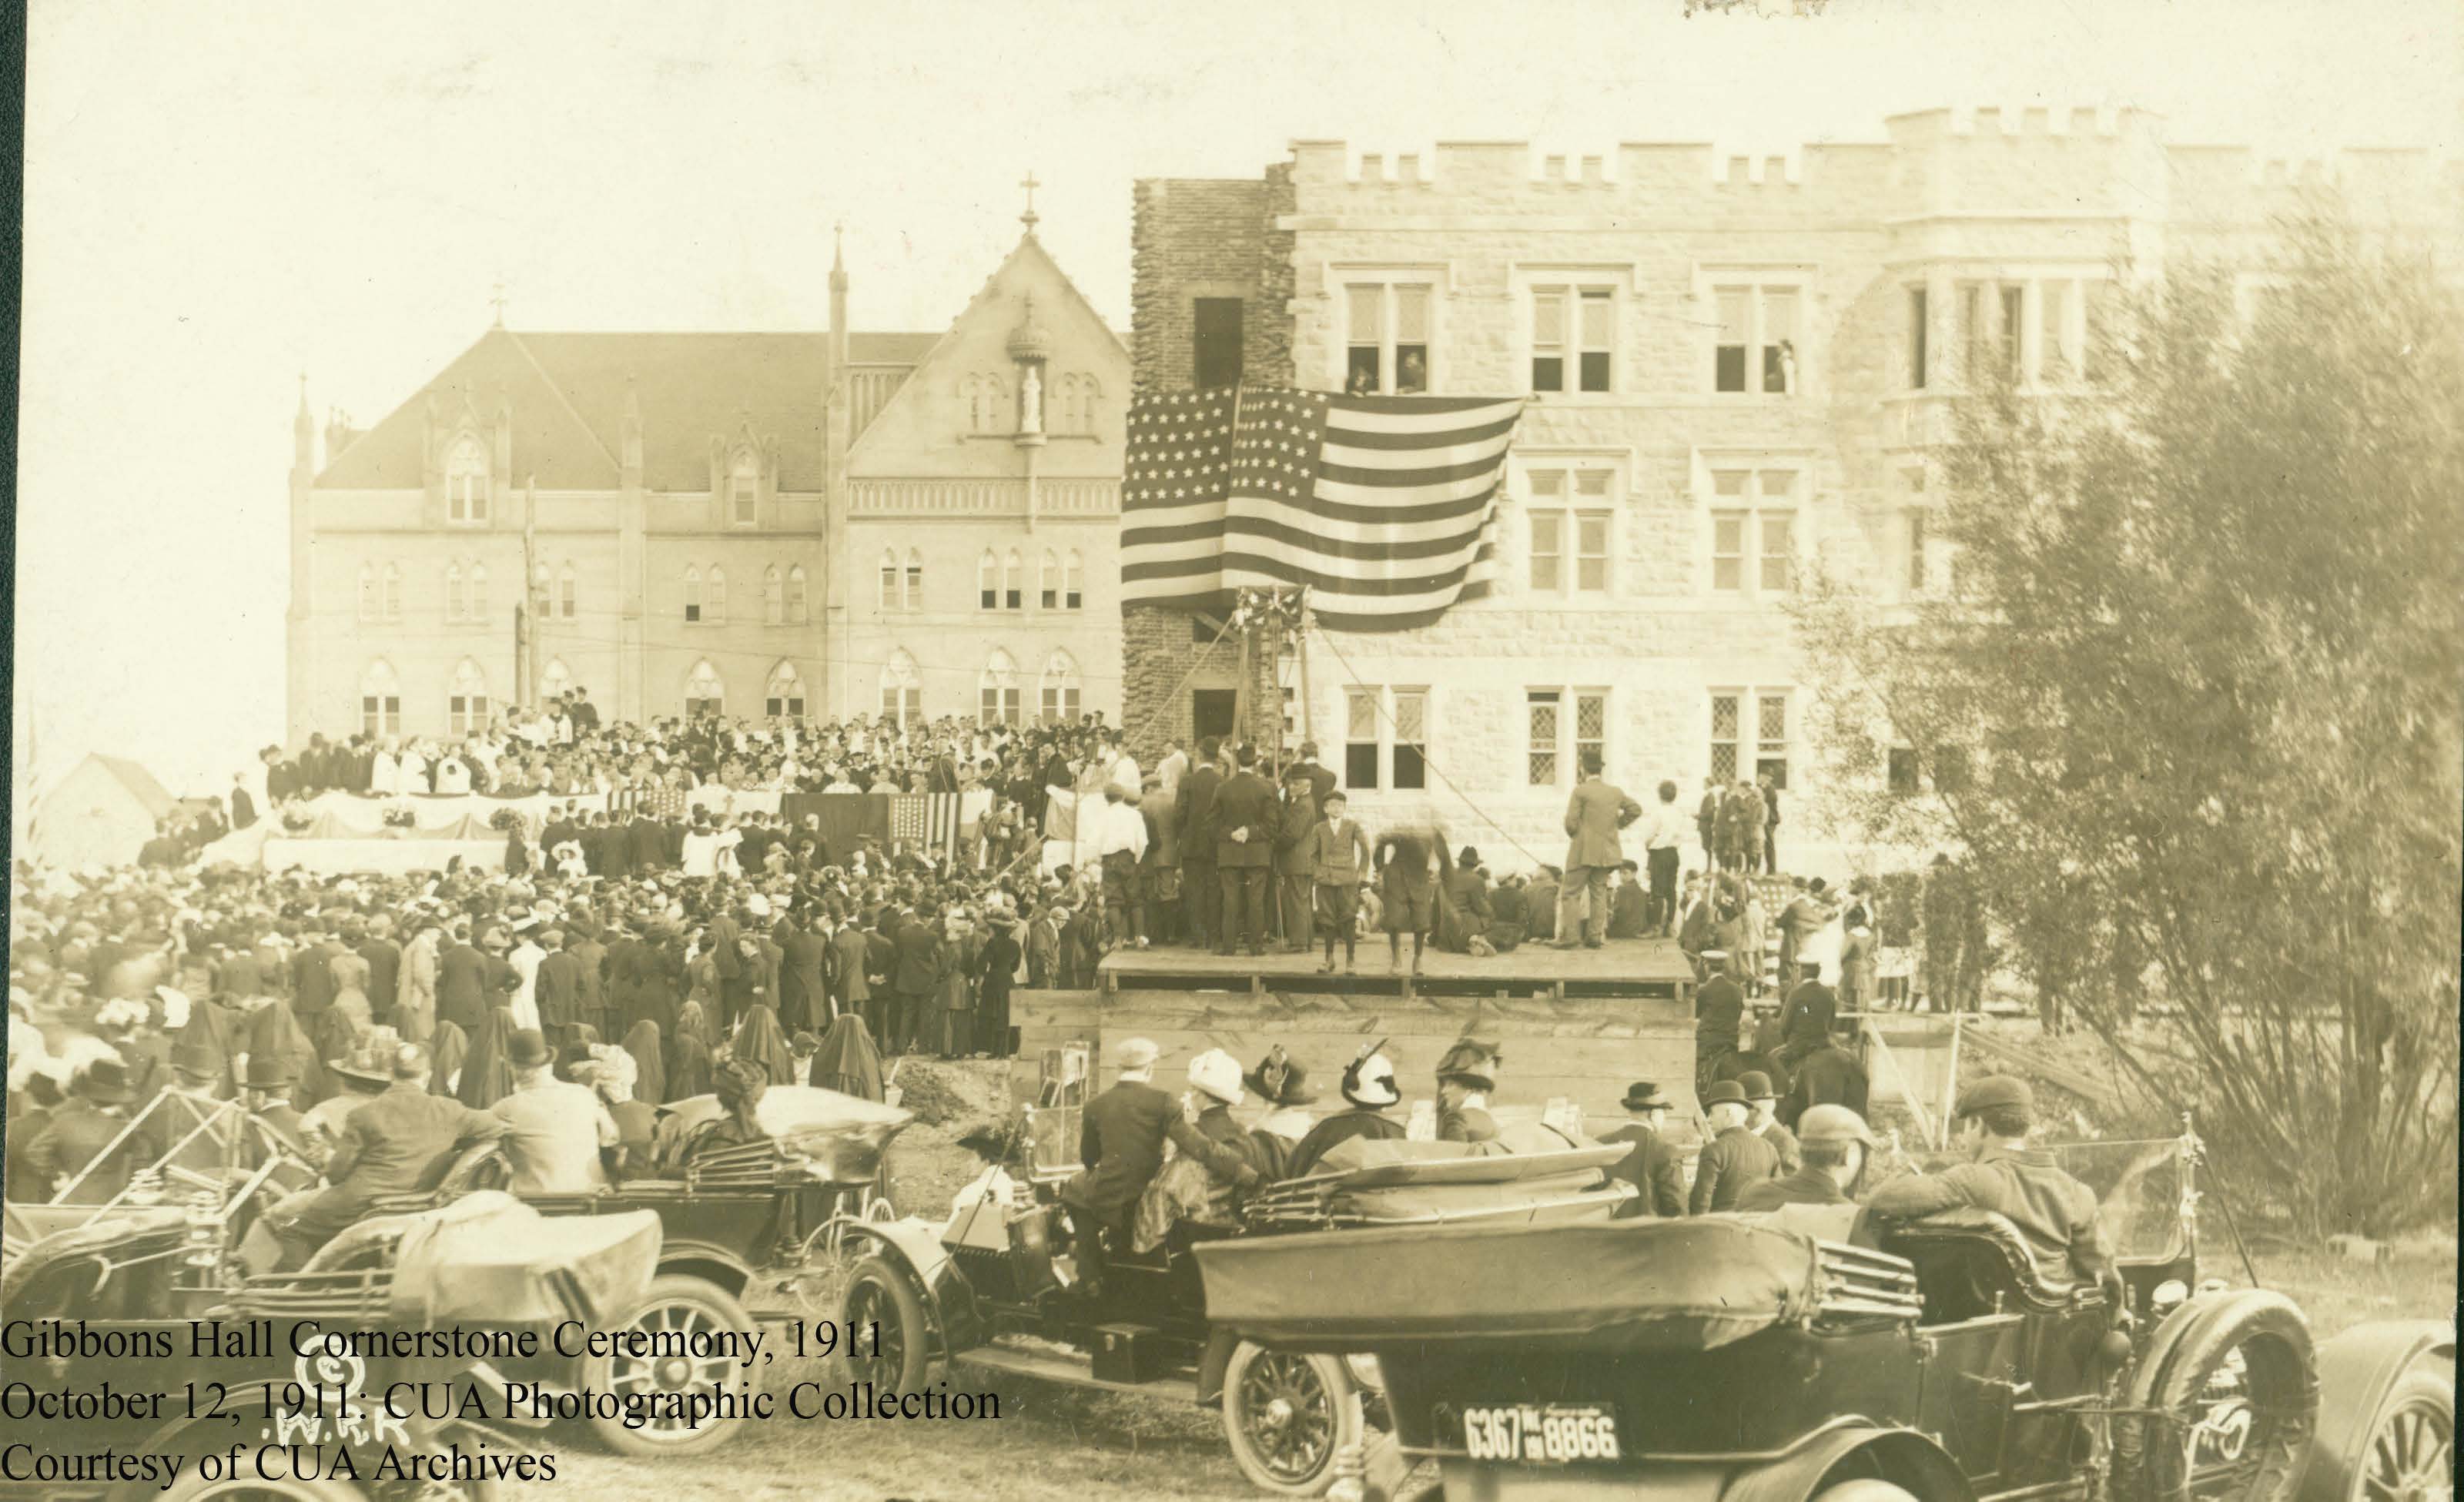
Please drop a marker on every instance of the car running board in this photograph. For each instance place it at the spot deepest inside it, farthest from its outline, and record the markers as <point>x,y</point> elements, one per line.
<point>1076,1373</point>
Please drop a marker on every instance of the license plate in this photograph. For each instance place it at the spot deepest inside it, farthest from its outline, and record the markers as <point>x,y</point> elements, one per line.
<point>1541,1433</point>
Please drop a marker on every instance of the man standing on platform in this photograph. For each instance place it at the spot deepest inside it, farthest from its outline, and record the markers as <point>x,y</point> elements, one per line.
<point>1594,815</point>
<point>1320,780</point>
<point>1661,831</point>
<point>1120,846</point>
<point>1296,857</point>
<point>1202,899</point>
<point>1244,830</point>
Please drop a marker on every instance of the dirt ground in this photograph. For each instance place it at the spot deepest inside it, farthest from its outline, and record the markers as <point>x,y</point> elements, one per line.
<point>1058,1444</point>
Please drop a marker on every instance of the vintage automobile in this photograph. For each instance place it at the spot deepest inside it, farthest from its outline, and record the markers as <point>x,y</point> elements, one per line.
<point>1777,1358</point>
<point>983,1289</point>
<point>127,1287</point>
<point>757,1225</point>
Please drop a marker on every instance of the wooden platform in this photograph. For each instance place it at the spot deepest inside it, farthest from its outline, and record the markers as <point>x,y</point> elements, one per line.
<point>1636,968</point>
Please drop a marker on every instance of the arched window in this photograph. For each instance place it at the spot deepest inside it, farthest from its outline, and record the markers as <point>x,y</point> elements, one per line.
<point>692,593</point>
<point>985,396</point>
<point>1048,581</point>
<point>457,595</point>
<point>1013,582</point>
<point>569,592</point>
<point>902,690</point>
<point>380,700</point>
<point>478,592</point>
<point>466,700</point>
<point>796,609</point>
<point>704,692</point>
<point>393,591</point>
<point>996,688</point>
<point>988,582</point>
<point>889,580</point>
<point>554,679</point>
<point>774,596</point>
<point>1060,689</point>
<point>1089,393</point>
<point>368,590</point>
<point>466,482</point>
<point>783,699</point>
<point>1073,581</point>
<point>914,599</point>
<point>714,604</point>
<point>744,487</point>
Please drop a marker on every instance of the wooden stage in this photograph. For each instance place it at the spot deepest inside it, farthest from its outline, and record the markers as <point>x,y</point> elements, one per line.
<point>1622,967</point>
<point>1580,1024</point>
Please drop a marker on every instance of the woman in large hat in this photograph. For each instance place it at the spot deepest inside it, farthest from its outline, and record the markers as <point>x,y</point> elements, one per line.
<point>1281,1082</point>
<point>1466,1076</point>
<point>1370,1093</point>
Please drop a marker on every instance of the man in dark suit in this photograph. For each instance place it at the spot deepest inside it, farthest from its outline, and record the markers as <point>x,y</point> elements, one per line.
<point>1121,1142</point>
<point>1651,1167</point>
<point>384,966</point>
<point>1594,815</point>
<point>402,1141</point>
<point>1244,839</point>
<point>848,954</point>
<point>923,964</point>
<point>1829,1076</point>
<point>557,990</point>
<point>80,1138</point>
<point>1201,901</point>
<point>312,973</point>
<point>1805,1018</point>
<point>281,777</point>
<point>1296,858</point>
<point>1735,1159</point>
<point>1320,780</point>
<point>801,1000</point>
<point>1719,1019</point>
<point>585,713</point>
<point>461,982</point>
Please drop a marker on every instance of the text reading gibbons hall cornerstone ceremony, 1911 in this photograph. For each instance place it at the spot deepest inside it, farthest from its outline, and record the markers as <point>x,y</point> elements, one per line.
<point>1695,749</point>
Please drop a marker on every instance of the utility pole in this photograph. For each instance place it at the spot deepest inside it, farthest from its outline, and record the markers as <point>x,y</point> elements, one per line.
<point>526,624</point>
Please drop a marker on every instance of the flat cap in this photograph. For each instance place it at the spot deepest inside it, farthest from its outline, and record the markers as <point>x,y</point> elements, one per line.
<point>1832,1123</point>
<point>1996,1090</point>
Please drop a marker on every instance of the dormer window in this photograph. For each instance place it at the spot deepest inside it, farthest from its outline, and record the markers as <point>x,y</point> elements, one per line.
<point>466,482</point>
<point>743,490</point>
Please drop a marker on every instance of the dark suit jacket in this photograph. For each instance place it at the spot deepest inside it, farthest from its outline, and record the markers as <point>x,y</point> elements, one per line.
<point>1245,802</point>
<point>384,972</point>
<point>1121,1144</point>
<point>800,993</point>
<point>404,1139</point>
<point>1806,1018</point>
<point>1730,1162</point>
<point>462,986</point>
<point>1719,1012</point>
<point>1295,842</point>
<point>923,959</point>
<point>1652,1168</point>
<point>312,978</point>
<point>559,990</point>
<point>1198,792</point>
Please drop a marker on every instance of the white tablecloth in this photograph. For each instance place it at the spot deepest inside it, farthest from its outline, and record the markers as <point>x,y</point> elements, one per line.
<point>382,857</point>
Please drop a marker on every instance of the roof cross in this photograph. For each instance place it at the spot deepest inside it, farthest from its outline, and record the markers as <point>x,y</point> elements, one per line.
<point>1029,218</point>
<point>497,298</point>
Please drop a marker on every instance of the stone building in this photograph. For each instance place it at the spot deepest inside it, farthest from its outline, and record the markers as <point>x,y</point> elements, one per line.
<point>763,524</point>
<point>1735,368</point>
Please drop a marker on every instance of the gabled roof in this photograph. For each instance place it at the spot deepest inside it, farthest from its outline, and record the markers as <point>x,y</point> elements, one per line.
<point>567,393</point>
<point>137,781</point>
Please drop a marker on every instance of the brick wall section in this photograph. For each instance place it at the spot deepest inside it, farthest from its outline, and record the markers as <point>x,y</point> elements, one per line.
<point>1189,237</point>
<point>1266,323</point>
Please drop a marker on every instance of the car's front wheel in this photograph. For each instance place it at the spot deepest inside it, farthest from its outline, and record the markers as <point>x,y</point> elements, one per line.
<point>659,1393</point>
<point>1287,1415</point>
<point>889,1341</point>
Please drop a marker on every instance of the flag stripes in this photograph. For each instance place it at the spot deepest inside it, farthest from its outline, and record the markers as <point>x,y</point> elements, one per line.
<point>1384,507</point>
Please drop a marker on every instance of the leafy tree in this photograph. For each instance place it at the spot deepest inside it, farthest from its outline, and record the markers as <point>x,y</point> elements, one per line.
<point>2202,651</point>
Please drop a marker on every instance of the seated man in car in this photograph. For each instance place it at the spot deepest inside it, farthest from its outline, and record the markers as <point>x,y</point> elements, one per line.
<point>2055,1213</point>
<point>402,1141</point>
<point>1121,1144</point>
<point>1834,1143</point>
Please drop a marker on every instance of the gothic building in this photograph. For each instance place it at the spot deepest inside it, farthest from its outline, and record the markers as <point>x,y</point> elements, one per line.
<point>760,524</point>
<point>1734,368</point>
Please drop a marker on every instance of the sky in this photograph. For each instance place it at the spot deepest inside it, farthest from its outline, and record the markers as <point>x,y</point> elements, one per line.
<point>220,199</point>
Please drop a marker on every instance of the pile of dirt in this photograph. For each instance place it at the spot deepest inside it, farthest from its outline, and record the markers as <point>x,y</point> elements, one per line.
<point>927,1165</point>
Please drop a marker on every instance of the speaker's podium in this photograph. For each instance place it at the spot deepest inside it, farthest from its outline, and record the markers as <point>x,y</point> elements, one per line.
<point>1579,1024</point>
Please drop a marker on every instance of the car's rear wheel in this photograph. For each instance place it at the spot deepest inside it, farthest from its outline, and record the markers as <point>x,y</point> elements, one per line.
<point>193,1487</point>
<point>889,1339</point>
<point>1865,1488</point>
<point>2234,1410</point>
<point>2411,1453</point>
<point>1287,1415</point>
<point>677,1310</point>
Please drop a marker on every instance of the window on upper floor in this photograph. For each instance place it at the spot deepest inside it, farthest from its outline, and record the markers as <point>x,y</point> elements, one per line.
<point>1749,734</point>
<point>902,690</point>
<point>1216,343</point>
<point>1753,532</point>
<point>1574,339</point>
<point>1058,690</point>
<point>466,700</point>
<point>1073,581</point>
<point>380,700</point>
<point>986,396</point>
<point>2027,329</point>
<point>890,575</point>
<point>478,592</point>
<point>1757,338</point>
<point>694,598</point>
<point>743,488</point>
<point>1048,582</point>
<point>988,582</point>
<point>1919,332</point>
<point>914,597</point>
<point>1568,729</point>
<point>784,696</point>
<point>1572,516</point>
<point>997,691</point>
<point>1386,737</point>
<point>797,611</point>
<point>457,593</point>
<point>569,587</point>
<point>1013,581</point>
<point>1386,336</point>
<point>369,602</point>
<point>774,596</point>
<point>466,481</point>
<point>715,602</point>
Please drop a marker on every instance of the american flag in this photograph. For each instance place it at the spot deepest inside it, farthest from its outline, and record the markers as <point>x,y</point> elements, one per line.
<point>1382,506</point>
<point>927,822</point>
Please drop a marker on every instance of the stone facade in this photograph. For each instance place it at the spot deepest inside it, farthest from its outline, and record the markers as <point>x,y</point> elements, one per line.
<point>1752,360</point>
<point>707,516</point>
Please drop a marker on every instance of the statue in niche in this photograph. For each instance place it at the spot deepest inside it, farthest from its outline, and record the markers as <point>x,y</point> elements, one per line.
<point>1030,401</point>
